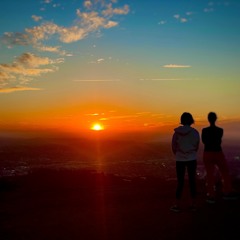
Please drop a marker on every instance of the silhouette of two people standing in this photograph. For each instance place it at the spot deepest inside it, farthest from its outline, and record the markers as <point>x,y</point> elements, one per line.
<point>185,144</point>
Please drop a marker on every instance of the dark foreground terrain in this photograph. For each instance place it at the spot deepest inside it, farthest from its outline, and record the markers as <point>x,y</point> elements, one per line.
<point>83,204</point>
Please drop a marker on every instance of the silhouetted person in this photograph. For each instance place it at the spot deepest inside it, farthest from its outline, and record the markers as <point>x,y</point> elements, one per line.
<point>213,157</point>
<point>185,143</point>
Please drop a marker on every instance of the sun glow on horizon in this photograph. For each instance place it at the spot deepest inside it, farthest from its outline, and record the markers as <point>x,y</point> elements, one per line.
<point>97,127</point>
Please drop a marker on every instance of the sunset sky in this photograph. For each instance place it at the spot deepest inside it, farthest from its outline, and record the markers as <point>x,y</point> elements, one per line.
<point>129,65</point>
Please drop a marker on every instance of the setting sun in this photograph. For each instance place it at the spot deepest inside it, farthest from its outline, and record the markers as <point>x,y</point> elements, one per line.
<point>97,127</point>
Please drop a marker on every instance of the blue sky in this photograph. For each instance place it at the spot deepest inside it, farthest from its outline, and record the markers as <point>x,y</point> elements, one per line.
<point>157,58</point>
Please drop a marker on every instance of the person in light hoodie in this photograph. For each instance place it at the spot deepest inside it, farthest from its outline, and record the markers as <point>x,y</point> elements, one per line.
<point>185,144</point>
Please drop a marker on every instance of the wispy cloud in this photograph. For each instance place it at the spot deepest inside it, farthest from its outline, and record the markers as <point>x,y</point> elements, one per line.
<point>123,117</point>
<point>177,16</point>
<point>100,60</point>
<point>86,22</point>
<point>93,114</point>
<point>36,18</point>
<point>176,66</point>
<point>207,10</point>
<point>180,19</point>
<point>17,89</point>
<point>213,6</point>
<point>88,4</point>
<point>25,67</point>
<point>52,49</point>
<point>183,20</point>
<point>110,11</point>
<point>162,22</point>
<point>96,80</point>
<point>143,113</point>
<point>161,79</point>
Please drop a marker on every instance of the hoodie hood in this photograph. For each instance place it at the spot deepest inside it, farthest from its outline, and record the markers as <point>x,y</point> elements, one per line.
<point>183,130</point>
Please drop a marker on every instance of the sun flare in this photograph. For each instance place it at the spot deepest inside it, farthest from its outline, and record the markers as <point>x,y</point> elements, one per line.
<point>97,127</point>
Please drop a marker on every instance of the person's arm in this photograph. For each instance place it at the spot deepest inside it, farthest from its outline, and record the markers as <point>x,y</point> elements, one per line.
<point>220,136</point>
<point>222,132</point>
<point>203,136</point>
<point>174,143</point>
<point>198,141</point>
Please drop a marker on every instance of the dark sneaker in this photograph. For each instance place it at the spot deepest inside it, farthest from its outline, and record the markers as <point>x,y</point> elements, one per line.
<point>211,200</point>
<point>175,209</point>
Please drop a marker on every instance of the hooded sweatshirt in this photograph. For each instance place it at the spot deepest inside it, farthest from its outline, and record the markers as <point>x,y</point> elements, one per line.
<point>185,143</point>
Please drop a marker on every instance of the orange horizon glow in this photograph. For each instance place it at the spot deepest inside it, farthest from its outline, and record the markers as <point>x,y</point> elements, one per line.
<point>104,118</point>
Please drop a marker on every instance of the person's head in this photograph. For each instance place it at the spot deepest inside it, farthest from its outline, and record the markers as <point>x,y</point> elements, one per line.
<point>187,119</point>
<point>212,117</point>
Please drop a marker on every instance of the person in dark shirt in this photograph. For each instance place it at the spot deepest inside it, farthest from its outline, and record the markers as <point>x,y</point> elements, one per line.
<point>213,157</point>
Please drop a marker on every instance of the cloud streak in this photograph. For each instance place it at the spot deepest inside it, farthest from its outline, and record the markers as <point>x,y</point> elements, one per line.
<point>17,89</point>
<point>96,80</point>
<point>161,79</point>
<point>176,66</point>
